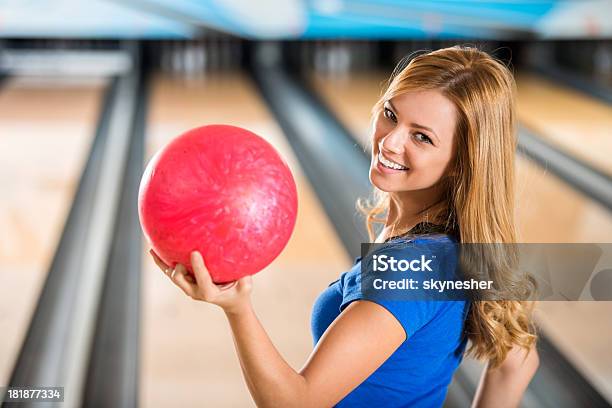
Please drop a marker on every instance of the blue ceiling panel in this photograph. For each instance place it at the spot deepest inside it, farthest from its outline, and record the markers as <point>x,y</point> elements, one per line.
<point>308,19</point>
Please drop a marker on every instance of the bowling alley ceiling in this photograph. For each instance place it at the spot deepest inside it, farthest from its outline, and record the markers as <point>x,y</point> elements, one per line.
<point>307,19</point>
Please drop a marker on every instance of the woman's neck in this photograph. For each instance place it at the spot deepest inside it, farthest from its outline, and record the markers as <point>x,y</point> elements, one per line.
<point>405,213</point>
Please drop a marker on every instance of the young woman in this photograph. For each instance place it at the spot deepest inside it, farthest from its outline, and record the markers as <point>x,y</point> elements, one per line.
<point>442,161</point>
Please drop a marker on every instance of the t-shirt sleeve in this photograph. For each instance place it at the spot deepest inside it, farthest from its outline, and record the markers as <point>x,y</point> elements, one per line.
<point>411,314</point>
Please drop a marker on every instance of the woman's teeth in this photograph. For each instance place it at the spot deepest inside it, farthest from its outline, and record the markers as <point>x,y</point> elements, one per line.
<point>389,163</point>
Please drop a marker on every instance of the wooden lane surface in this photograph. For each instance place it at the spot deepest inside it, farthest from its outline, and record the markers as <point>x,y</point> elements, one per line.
<point>188,356</point>
<point>46,130</point>
<point>548,210</point>
<point>573,121</point>
<point>352,98</point>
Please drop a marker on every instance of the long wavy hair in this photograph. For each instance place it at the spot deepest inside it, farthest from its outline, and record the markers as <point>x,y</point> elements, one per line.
<point>478,203</point>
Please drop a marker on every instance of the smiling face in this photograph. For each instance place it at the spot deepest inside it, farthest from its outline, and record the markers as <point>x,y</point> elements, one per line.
<point>413,141</point>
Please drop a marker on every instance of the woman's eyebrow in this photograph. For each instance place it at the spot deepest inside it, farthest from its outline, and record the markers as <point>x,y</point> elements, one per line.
<point>416,125</point>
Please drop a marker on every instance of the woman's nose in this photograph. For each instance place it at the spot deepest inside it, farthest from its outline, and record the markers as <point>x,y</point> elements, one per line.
<point>394,142</point>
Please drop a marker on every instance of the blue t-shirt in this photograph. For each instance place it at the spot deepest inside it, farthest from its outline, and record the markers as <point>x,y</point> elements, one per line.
<point>418,373</point>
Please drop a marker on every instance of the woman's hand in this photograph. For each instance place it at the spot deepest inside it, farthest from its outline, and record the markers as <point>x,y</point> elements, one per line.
<point>231,297</point>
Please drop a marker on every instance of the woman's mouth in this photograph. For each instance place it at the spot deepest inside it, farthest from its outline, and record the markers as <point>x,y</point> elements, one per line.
<point>389,164</point>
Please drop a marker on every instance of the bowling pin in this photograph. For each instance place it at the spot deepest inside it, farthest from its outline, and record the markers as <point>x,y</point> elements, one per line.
<point>225,55</point>
<point>345,61</point>
<point>201,58</point>
<point>214,55</point>
<point>176,58</point>
<point>317,58</point>
<point>165,58</point>
<point>187,60</point>
<point>331,59</point>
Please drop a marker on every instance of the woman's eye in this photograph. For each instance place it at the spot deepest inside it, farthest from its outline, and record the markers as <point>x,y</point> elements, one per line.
<point>423,138</point>
<point>390,115</point>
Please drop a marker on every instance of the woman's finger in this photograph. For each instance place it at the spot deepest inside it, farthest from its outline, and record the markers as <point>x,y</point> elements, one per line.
<point>245,283</point>
<point>229,285</point>
<point>202,276</point>
<point>179,277</point>
<point>161,264</point>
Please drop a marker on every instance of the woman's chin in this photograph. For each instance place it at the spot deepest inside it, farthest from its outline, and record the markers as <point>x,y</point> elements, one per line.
<point>378,181</point>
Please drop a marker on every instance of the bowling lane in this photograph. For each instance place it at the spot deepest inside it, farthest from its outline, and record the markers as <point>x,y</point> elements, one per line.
<point>46,129</point>
<point>188,356</point>
<point>573,121</point>
<point>548,210</point>
<point>364,89</point>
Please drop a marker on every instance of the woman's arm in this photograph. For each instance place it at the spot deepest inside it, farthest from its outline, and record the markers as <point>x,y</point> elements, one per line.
<point>349,351</point>
<point>504,386</point>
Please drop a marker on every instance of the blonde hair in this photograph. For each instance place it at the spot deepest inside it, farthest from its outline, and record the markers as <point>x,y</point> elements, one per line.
<point>479,188</point>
